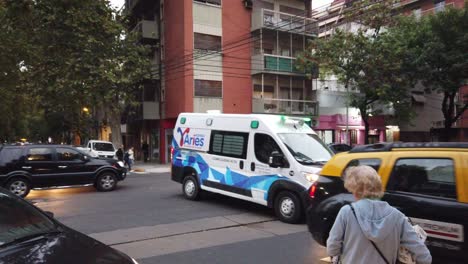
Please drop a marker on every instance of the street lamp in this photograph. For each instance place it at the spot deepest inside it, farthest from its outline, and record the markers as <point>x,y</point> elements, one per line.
<point>85,109</point>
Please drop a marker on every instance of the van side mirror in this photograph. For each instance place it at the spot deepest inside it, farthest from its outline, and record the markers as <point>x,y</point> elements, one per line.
<point>276,160</point>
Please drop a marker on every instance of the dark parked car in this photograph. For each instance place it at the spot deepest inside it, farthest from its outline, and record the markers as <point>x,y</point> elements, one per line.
<point>338,147</point>
<point>29,235</point>
<point>31,166</point>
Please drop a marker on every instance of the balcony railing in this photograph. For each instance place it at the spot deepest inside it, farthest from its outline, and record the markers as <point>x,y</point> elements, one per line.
<point>274,63</point>
<point>265,18</point>
<point>285,106</point>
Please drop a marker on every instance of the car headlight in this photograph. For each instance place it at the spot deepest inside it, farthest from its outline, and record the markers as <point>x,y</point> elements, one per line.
<point>311,177</point>
<point>134,261</point>
<point>121,164</point>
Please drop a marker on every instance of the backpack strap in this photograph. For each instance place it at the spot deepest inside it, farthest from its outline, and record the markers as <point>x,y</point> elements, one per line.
<point>375,246</point>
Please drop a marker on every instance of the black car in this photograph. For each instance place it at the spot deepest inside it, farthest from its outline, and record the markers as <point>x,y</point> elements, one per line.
<point>338,147</point>
<point>34,166</point>
<point>29,235</point>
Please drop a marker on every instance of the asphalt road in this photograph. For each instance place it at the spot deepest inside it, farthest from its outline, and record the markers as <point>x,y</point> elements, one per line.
<point>148,218</point>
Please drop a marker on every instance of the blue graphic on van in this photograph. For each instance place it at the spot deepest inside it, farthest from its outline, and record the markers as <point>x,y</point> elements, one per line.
<point>231,178</point>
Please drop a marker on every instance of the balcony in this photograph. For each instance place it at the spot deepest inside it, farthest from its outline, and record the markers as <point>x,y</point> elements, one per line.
<point>147,30</point>
<point>285,106</point>
<point>274,64</point>
<point>265,18</point>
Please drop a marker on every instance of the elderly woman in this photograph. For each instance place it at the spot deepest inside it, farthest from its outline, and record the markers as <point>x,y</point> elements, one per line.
<point>370,221</point>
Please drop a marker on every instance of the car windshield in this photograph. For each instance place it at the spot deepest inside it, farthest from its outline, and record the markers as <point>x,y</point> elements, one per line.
<point>103,147</point>
<point>19,220</point>
<point>307,149</point>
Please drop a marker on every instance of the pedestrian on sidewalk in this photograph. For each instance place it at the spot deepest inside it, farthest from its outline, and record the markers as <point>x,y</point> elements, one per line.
<point>145,149</point>
<point>129,158</point>
<point>370,230</point>
<point>120,153</point>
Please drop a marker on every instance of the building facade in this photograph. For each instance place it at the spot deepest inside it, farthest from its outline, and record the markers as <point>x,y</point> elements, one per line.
<point>235,56</point>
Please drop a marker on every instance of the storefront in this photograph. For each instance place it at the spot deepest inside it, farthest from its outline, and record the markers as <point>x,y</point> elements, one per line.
<point>339,129</point>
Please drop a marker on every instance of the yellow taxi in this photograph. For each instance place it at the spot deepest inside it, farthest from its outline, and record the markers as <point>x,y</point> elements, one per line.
<point>428,182</point>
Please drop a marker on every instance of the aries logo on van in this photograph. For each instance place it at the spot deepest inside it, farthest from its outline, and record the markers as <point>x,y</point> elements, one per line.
<point>188,140</point>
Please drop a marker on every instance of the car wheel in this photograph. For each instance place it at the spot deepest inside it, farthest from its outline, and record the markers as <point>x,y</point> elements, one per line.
<point>288,207</point>
<point>106,182</point>
<point>19,186</point>
<point>190,188</point>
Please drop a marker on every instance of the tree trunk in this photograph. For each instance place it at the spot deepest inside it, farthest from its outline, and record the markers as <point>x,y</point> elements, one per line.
<point>114,123</point>
<point>448,108</point>
<point>365,119</point>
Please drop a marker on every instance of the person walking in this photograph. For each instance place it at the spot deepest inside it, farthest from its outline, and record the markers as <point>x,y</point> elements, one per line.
<point>145,149</point>
<point>131,158</point>
<point>370,230</point>
<point>120,153</point>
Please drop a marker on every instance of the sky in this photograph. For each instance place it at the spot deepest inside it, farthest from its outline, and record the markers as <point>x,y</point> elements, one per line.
<point>315,3</point>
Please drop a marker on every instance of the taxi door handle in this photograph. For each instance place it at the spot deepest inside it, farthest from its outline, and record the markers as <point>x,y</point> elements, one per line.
<point>62,167</point>
<point>26,167</point>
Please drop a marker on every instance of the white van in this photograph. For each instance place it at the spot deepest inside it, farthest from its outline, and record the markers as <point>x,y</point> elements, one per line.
<point>101,149</point>
<point>267,159</point>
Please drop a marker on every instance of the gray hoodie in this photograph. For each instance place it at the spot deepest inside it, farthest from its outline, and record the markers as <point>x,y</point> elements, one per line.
<point>379,222</point>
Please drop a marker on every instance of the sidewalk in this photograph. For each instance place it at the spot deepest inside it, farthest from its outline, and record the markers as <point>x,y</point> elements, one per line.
<point>150,167</point>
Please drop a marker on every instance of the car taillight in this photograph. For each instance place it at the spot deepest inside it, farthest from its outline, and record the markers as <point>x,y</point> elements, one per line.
<point>312,190</point>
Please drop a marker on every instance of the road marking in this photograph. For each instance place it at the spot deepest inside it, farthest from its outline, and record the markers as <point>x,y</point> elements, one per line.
<point>192,241</point>
<point>151,241</point>
<point>130,235</point>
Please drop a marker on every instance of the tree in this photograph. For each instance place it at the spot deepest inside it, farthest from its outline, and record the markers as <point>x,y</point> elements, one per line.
<point>440,42</point>
<point>365,60</point>
<point>84,56</point>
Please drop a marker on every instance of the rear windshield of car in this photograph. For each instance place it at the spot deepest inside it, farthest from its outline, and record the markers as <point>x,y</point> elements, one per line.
<point>103,147</point>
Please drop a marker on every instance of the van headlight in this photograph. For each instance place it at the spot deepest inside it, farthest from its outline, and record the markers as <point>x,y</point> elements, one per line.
<point>121,164</point>
<point>311,177</point>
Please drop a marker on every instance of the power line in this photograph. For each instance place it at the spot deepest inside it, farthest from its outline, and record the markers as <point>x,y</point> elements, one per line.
<point>249,42</point>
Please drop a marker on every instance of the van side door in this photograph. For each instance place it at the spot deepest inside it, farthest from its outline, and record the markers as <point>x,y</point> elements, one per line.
<point>424,189</point>
<point>227,160</point>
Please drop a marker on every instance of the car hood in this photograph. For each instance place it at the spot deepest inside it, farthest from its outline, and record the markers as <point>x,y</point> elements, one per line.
<point>68,247</point>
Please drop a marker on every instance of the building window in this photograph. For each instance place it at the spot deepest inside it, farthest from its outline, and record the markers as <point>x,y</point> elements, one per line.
<point>149,92</point>
<point>208,88</point>
<point>211,2</point>
<point>207,42</point>
<point>230,144</point>
<point>439,6</point>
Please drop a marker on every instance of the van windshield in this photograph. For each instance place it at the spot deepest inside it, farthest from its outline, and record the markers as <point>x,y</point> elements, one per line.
<point>307,149</point>
<point>103,147</point>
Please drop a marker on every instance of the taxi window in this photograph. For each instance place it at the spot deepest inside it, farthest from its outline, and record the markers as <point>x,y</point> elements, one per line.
<point>374,163</point>
<point>427,176</point>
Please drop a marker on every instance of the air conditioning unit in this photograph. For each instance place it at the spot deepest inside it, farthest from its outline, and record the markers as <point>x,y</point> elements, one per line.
<point>248,4</point>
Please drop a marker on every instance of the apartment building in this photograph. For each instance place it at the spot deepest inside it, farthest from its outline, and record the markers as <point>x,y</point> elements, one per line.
<point>332,95</point>
<point>235,56</point>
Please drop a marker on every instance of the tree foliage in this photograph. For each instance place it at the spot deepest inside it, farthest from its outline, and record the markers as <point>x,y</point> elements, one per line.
<point>72,54</point>
<point>439,51</point>
<point>366,60</point>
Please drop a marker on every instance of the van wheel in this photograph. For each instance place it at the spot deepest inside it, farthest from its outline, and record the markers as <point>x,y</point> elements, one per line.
<point>19,186</point>
<point>288,207</point>
<point>106,182</point>
<point>190,188</point>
